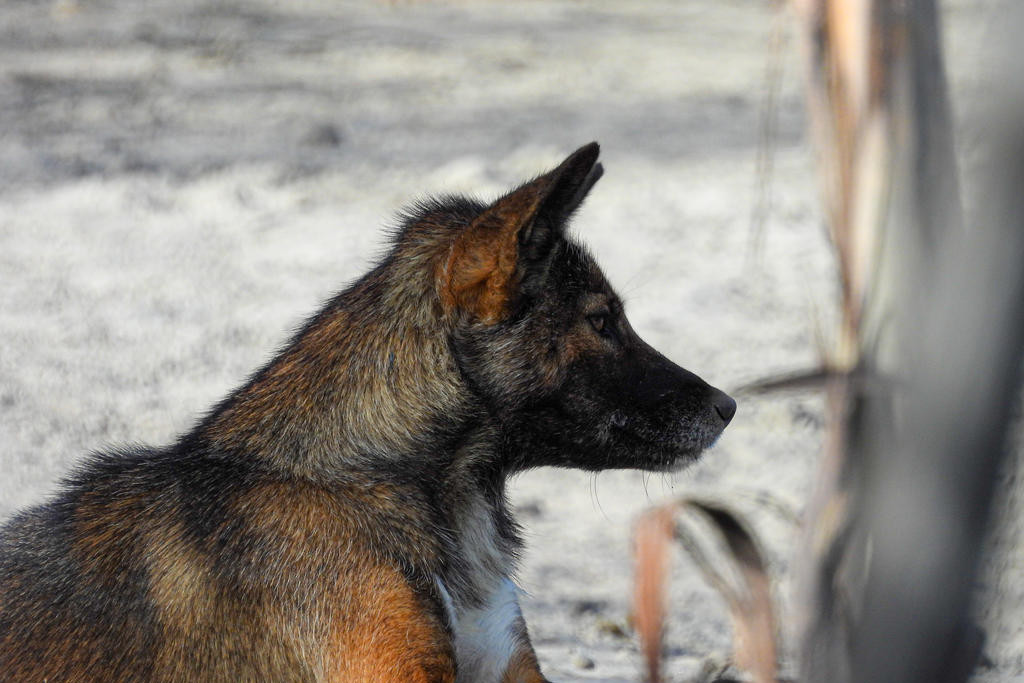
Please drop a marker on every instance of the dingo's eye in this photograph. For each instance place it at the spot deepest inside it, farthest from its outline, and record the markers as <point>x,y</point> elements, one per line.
<point>599,321</point>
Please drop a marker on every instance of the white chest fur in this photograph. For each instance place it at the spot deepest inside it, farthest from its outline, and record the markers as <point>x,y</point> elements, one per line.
<point>486,637</point>
<point>488,632</point>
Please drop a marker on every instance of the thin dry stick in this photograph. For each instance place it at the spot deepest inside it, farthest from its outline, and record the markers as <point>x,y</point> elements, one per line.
<point>769,123</point>
<point>850,112</point>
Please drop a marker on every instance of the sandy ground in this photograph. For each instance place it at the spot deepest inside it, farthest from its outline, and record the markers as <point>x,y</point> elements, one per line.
<point>183,181</point>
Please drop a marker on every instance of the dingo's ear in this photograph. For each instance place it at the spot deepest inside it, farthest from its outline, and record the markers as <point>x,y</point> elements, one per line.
<point>490,257</point>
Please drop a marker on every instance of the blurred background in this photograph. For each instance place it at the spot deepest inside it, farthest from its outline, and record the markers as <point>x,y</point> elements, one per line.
<point>182,182</point>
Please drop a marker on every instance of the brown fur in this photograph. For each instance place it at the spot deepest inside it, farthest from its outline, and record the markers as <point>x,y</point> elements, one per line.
<point>392,641</point>
<point>523,668</point>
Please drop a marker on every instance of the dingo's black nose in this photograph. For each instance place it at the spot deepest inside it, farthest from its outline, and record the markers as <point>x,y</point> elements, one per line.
<point>725,406</point>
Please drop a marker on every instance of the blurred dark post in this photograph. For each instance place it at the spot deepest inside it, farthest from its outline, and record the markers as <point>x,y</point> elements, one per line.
<point>927,363</point>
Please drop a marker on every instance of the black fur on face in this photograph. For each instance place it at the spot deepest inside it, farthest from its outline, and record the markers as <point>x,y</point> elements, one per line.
<point>566,377</point>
